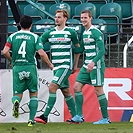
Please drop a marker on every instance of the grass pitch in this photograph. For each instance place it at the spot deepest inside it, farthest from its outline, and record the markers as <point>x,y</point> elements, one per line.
<point>121,127</point>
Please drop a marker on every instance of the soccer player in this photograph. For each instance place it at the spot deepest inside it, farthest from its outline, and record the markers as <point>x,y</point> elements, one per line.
<point>61,39</point>
<point>92,71</point>
<point>24,45</point>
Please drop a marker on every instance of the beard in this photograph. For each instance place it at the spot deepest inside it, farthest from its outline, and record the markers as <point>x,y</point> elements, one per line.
<point>57,24</point>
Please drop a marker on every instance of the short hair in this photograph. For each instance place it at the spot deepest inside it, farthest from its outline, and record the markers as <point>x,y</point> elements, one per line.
<point>65,13</point>
<point>25,22</point>
<point>87,11</point>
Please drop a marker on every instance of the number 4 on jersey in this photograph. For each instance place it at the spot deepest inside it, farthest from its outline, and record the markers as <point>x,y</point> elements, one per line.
<point>22,49</point>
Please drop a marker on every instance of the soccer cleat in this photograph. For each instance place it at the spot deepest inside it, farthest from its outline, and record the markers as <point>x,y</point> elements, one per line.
<point>16,109</point>
<point>31,123</point>
<point>103,121</point>
<point>41,119</point>
<point>75,120</point>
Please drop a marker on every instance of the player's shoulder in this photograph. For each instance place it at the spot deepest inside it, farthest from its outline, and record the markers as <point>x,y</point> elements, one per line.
<point>33,34</point>
<point>95,29</point>
<point>23,32</point>
<point>14,34</point>
<point>71,30</point>
<point>50,30</point>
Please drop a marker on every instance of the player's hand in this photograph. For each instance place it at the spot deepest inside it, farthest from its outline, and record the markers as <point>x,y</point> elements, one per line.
<point>90,66</point>
<point>74,69</point>
<point>51,66</point>
<point>9,65</point>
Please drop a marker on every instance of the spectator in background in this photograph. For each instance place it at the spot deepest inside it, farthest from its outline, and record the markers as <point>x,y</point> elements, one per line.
<point>24,45</point>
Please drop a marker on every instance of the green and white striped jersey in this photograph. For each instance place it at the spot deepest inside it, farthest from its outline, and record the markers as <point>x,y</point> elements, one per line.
<point>94,46</point>
<point>61,46</point>
<point>24,45</point>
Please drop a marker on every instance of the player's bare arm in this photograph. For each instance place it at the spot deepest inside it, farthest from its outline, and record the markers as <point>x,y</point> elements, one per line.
<point>45,58</point>
<point>6,53</point>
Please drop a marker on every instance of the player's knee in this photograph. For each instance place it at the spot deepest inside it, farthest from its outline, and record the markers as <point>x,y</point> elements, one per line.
<point>53,88</point>
<point>76,88</point>
<point>66,92</point>
<point>99,90</point>
<point>33,94</point>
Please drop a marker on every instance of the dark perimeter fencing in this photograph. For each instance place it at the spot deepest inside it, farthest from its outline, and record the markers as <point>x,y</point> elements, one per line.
<point>119,53</point>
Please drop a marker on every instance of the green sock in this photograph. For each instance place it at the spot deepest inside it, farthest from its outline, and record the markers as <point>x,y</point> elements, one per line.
<point>79,102</point>
<point>71,105</point>
<point>50,104</point>
<point>103,104</point>
<point>14,98</point>
<point>33,105</point>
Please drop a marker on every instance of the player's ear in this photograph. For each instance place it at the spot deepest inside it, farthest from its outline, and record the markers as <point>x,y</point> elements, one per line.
<point>30,26</point>
<point>19,24</point>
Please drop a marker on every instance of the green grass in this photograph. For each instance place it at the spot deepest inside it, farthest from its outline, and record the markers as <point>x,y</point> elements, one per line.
<point>121,127</point>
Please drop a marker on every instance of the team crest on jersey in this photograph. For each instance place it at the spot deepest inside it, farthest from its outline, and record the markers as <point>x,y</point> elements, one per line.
<point>88,36</point>
<point>65,35</point>
<point>100,38</point>
<point>40,44</point>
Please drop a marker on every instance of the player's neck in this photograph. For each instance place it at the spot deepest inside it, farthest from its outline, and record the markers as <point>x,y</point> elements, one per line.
<point>61,27</point>
<point>87,26</point>
<point>25,29</point>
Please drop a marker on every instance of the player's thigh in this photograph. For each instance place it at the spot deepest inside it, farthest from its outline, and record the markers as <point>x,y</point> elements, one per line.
<point>61,77</point>
<point>97,76</point>
<point>83,76</point>
<point>19,85</point>
<point>33,81</point>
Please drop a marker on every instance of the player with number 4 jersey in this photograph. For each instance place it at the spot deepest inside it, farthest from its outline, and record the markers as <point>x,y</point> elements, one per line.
<point>24,45</point>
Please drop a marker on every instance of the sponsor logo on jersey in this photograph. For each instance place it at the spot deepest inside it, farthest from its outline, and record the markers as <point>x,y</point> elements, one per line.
<point>88,40</point>
<point>23,75</point>
<point>62,39</point>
